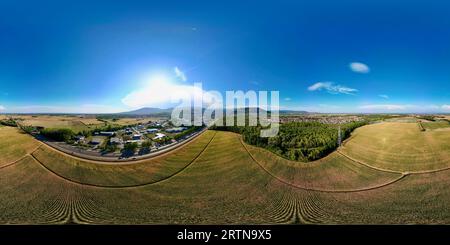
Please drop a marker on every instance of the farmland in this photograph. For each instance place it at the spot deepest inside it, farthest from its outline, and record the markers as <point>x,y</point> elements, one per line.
<point>387,172</point>
<point>10,140</point>
<point>74,123</point>
<point>128,121</point>
<point>443,125</point>
<point>400,147</point>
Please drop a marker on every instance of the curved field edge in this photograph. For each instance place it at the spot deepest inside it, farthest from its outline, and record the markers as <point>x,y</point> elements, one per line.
<point>127,175</point>
<point>331,174</point>
<point>417,199</point>
<point>34,195</point>
<point>399,147</point>
<point>15,145</point>
<point>223,187</point>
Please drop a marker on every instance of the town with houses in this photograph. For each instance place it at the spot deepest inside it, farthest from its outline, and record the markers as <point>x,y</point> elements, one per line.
<point>152,136</point>
<point>326,119</point>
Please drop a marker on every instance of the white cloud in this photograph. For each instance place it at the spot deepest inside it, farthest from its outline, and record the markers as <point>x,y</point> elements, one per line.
<point>389,107</point>
<point>164,94</point>
<point>406,108</point>
<point>287,99</point>
<point>159,95</point>
<point>384,96</point>
<point>329,106</point>
<point>375,108</point>
<point>2,108</point>
<point>332,88</point>
<point>180,74</point>
<point>359,67</point>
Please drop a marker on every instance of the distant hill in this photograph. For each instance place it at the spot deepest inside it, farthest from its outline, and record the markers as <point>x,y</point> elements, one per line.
<point>147,111</point>
<point>158,111</point>
<point>291,112</point>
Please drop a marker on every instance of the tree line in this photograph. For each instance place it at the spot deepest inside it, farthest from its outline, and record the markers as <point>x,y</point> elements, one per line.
<point>299,141</point>
<point>8,122</point>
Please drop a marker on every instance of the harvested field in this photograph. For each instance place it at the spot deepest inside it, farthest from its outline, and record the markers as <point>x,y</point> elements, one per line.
<point>217,179</point>
<point>132,121</point>
<point>399,147</point>
<point>14,145</point>
<point>120,174</point>
<point>77,124</point>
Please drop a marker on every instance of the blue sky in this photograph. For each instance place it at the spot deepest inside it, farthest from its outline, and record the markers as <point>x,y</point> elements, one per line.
<point>325,56</point>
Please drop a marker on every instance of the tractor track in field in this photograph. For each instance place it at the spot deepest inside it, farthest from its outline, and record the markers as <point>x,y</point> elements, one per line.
<point>291,207</point>
<point>21,158</point>
<point>368,165</point>
<point>127,186</point>
<point>393,171</point>
<point>402,176</point>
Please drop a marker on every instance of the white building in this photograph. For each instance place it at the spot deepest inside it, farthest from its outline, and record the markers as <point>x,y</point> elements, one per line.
<point>159,136</point>
<point>104,133</point>
<point>136,137</point>
<point>175,130</point>
<point>152,130</point>
<point>116,140</point>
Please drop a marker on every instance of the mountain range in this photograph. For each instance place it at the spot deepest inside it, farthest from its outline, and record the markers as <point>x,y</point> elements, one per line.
<point>145,111</point>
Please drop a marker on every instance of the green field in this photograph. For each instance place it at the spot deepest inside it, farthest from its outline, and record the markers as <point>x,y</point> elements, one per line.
<point>436,125</point>
<point>217,179</point>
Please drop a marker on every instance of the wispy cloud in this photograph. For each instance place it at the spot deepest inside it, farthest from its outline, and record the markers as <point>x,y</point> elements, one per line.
<point>2,108</point>
<point>255,83</point>
<point>180,74</point>
<point>287,99</point>
<point>359,67</point>
<point>389,107</point>
<point>332,88</point>
<point>329,106</point>
<point>404,108</point>
<point>384,96</point>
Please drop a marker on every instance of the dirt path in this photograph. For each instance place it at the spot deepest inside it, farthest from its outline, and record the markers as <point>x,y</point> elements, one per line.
<point>394,171</point>
<point>318,189</point>
<point>21,158</point>
<point>369,166</point>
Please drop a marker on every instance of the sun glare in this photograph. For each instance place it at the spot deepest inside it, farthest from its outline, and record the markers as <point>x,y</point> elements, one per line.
<point>159,80</point>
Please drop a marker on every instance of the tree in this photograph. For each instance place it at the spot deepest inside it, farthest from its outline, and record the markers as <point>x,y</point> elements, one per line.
<point>131,147</point>
<point>60,134</point>
<point>303,141</point>
<point>8,122</point>
<point>146,144</point>
<point>145,147</point>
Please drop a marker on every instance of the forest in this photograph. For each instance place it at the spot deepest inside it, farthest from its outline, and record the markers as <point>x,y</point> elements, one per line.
<point>299,141</point>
